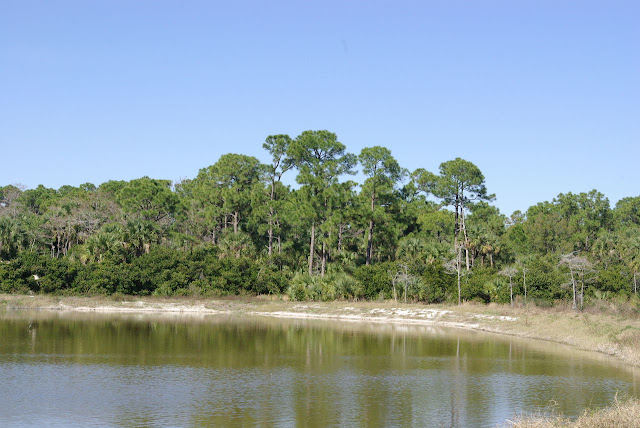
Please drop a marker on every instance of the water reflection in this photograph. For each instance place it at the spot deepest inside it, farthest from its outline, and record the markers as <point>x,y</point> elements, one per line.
<point>62,369</point>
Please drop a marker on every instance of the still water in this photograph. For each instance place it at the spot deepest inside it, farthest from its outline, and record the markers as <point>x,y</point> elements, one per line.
<point>66,369</point>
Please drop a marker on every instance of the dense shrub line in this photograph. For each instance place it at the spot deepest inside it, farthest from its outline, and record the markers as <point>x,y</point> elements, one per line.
<point>165,271</point>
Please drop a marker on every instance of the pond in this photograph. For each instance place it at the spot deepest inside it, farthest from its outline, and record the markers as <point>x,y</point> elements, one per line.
<point>79,369</point>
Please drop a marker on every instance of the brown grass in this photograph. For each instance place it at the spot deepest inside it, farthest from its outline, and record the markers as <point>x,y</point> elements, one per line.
<point>621,414</point>
<point>612,332</point>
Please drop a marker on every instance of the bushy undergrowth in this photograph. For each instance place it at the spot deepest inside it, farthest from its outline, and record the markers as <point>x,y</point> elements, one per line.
<point>165,271</point>
<point>162,271</point>
<point>333,286</point>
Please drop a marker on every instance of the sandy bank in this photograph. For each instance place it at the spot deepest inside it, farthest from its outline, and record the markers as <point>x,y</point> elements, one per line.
<point>612,334</point>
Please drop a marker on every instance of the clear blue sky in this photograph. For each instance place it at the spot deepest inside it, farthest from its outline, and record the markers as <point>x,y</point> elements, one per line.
<point>543,96</point>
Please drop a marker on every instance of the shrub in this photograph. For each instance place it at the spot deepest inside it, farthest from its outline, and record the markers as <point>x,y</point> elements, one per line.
<point>615,279</point>
<point>106,277</point>
<point>59,275</point>
<point>438,284</point>
<point>376,279</point>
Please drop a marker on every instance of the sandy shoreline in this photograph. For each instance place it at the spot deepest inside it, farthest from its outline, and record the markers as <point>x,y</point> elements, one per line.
<point>387,314</point>
<point>613,335</point>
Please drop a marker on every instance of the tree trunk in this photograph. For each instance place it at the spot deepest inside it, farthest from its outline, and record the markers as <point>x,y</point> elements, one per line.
<point>370,237</point>
<point>511,290</point>
<point>581,290</point>
<point>324,259</point>
<point>464,230</point>
<point>279,238</point>
<point>271,230</point>
<point>524,278</point>
<point>405,288</point>
<point>236,220</point>
<point>573,283</point>
<point>271,213</point>
<point>466,255</point>
<point>311,247</point>
<point>369,242</point>
<point>458,267</point>
<point>395,294</point>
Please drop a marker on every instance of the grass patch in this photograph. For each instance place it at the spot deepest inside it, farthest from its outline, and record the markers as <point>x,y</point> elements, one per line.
<point>621,414</point>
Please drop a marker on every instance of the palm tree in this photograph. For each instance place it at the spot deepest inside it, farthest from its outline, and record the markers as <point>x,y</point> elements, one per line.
<point>9,236</point>
<point>631,254</point>
<point>107,240</point>
<point>410,248</point>
<point>140,234</point>
<point>237,244</point>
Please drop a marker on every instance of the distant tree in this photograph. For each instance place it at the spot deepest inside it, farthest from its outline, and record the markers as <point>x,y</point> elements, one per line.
<point>629,249</point>
<point>578,267</point>
<point>627,211</point>
<point>139,234</point>
<point>277,146</point>
<point>320,159</point>
<point>224,189</point>
<point>149,199</point>
<point>586,213</point>
<point>37,200</point>
<point>459,185</point>
<point>111,187</point>
<point>9,196</point>
<point>509,272</point>
<point>383,173</point>
<point>9,237</point>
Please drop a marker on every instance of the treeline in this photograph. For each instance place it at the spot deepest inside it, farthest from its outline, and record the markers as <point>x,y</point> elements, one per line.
<point>237,229</point>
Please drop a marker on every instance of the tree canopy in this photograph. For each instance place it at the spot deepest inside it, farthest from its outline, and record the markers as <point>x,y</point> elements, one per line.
<point>237,228</point>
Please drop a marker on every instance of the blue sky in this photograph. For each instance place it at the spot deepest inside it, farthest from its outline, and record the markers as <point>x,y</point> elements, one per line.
<point>543,96</point>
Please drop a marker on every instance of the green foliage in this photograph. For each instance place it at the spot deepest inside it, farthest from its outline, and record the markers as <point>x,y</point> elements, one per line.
<point>627,211</point>
<point>58,275</point>
<point>475,284</point>
<point>37,200</point>
<point>439,284</point>
<point>10,237</point>
<point>237,229</point>
<point>149,199</point>
<point>615,280</point>
<point>107,277</point>
<point>23,272</point>
<point>545,281</point>
<point>335,285</point>
<point>111,187</point>
<point>438,224</point>
<point>459,184</point>
<point>376,279</point>
<point>270,280</point>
